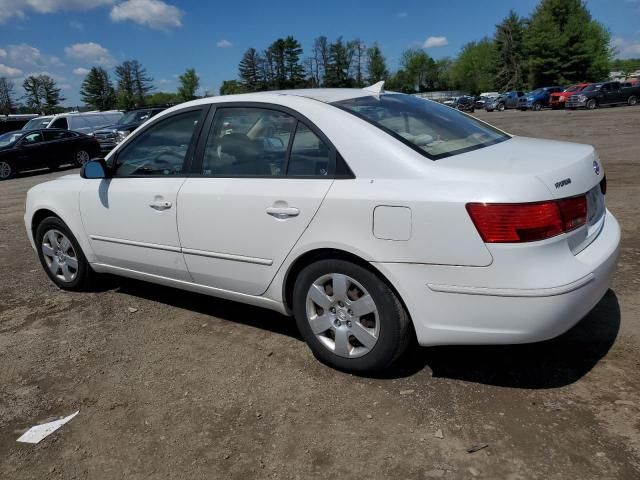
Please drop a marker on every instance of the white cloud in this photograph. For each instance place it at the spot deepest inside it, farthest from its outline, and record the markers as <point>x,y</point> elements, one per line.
<point>152,13</point>
<point>19,8</point>
<point>6,71</point>
<point>90,52</point>
<point>433,42</point>
<point>80,71</point>
<point>77,25</point>
<point>402,15</point>
<point>3,53</point>
<point>625,48</point>
<point>224,44</point>
<point>24,54</point>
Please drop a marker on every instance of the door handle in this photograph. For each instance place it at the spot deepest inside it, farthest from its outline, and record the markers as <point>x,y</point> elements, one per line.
<point>283,212</point>
<point>160,205</point>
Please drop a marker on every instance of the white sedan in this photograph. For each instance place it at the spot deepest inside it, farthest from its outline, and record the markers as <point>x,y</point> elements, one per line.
<point>372,217</point>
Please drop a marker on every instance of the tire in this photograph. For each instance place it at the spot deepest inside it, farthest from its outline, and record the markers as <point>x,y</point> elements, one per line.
<point>592,104</point>
<point>68,257</point>
<point>633,100</point>
<point>371,342</point>
<point>6,170</point>
<point>80,157</point>
<point>536,107</point>
<point>500,107</point>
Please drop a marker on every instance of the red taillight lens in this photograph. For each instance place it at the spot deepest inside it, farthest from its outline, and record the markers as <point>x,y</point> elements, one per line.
<point>527,222</point>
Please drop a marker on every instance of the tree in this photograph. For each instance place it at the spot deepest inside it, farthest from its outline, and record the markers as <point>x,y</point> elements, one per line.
<point>565,45</point>
<point>294,70</point>
<point>41,94</point>
<point>320,60</point>
<point>229,87</point>
<point>189,84</point>
<point>475,68</point>
<point>250,71</point>
<point>339,66</point>
<point>133,84</point>
<point>376,65</point>
<point>419,67</point>
<point>97,90</point>
<point>162,98</point>
<point>509,42</point>
<point>359,51</point>
<point>6,96</point>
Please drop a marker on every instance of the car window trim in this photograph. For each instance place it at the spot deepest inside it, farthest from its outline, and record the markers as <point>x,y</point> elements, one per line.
<point>200,150</point>
<point>188,159</point>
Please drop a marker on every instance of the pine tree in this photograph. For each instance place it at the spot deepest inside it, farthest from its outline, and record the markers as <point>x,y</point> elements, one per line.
<point>189,84</point>
<point>475,68</point>
<point>133,84</point>
<point>41,94</point>
<point>293,68</point>
<point>565,44</point>
<point>249,71</point>
<point>337,70</point>
<point>97,90</point>
<point>376,65</point>
<point>6,96</point>
<point>509,41</point>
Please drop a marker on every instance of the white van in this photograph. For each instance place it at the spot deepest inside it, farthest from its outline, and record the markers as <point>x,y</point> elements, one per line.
<point>84,122</point>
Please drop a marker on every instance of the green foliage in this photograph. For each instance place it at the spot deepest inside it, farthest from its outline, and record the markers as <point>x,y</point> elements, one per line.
<point>420,68</point>
<point>475,69</point>
<point>189,84</point>
<point>250,71</point>
<point>626,66</point>
<point>565,45</point>
<point>133,84</point>
<point>338,69</point>
<point>97,90</point>
<point>229,87</point>
<point>41,94</point>
<point>163,98</point>
<point>376,65</point>
<point>509,44</point>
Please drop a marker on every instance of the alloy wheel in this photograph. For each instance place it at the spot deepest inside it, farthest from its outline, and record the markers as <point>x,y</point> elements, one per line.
<point>633,101</point>
<point>5,170</point>
<point>82,157</point>
<point>343,315</point>
<point>60,256</point>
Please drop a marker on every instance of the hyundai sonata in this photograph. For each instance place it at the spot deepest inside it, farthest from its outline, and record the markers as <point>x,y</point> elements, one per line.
<point>372,217</point>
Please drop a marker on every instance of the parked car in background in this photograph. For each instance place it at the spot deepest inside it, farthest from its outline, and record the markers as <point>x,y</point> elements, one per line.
<point>537,99</point>
<point>465,104</point>
<point>559,99</point>
<point>83,122</point>
<point>505,101</point>
<point>376,219</point>
<point>44,148</point>
<point>603,94</point>
<point>109,136</point>
<point>484,98</point>
<point>450,101</point>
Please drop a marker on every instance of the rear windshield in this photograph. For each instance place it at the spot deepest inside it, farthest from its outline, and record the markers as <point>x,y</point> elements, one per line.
<point>434,130</point>
<point>592,87</point>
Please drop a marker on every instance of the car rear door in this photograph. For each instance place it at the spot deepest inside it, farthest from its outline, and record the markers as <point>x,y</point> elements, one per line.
<point>260,175</point>
<point>130,218</point>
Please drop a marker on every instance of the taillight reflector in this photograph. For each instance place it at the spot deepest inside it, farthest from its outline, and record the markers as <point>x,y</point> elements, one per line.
<point>527,222</point>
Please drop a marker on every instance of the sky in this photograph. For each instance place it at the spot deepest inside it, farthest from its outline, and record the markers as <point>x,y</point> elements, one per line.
<point>64,38</point>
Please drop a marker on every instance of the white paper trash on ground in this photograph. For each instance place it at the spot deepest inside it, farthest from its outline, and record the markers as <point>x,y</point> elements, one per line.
<point>37,433</point>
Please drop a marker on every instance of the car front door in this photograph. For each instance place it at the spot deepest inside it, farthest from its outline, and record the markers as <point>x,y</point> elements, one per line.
<point>31,151</point>
<point>260,176</point>
<point>130,218</point>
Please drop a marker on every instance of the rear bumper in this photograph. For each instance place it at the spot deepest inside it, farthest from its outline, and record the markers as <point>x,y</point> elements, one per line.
<point>506,304</point>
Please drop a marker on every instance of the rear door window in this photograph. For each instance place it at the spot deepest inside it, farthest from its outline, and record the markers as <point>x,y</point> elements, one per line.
<point>60,123</point>
<point>309,154</point>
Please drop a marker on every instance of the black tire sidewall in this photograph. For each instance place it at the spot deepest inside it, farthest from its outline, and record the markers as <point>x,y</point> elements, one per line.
<point>84,271</point>
<point>392,337</point>
<point>633,100</point>
<point>12,173</point>
<point>76,162</point>
<point>592,104</point>
<point>537,107</point>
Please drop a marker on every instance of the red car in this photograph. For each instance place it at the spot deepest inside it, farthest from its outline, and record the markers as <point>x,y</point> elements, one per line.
<point>558,99</point>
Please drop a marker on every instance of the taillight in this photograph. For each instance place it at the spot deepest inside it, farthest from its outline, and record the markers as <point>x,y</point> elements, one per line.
<point>603,185</point>
<point>527,222</point>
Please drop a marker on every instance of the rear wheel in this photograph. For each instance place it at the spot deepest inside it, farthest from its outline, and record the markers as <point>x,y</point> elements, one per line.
<point>81,157</point>
<point>592,104</point>
<point>61,256</point>
<point>6,171</point>
<point>537,106</point>
<point>350,319</point>
<point>633,100</point>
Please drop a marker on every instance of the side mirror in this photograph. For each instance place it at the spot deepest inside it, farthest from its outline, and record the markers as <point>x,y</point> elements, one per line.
<point>94,169</point>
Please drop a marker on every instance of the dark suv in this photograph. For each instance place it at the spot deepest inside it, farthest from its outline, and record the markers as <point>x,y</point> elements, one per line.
<point>604,93</point>
<point>108,137</point>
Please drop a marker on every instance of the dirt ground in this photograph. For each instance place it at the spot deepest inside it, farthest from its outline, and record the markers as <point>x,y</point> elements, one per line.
<point>192,387</point>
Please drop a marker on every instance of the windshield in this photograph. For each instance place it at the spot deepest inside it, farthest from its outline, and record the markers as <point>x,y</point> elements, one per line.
<point>537,91</point>
<point>574,88</point>
<point>9,138</point>
<point>135,116</point>
<point>432,129</point>
<point>593,87</point>
<point>35,123</point>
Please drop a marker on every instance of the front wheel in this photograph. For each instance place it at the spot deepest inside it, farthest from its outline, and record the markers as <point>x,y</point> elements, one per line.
<point>501,107</point>
<point>6,170</point>
<point>537,106</point>
<point>592,104</point>
<point>81,157</point>
<point>61,256</point>
<point>633,100</point>
<point>349,317</point>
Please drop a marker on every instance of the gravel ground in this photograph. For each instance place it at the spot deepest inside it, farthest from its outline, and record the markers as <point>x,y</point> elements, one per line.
<point>192,387</point>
